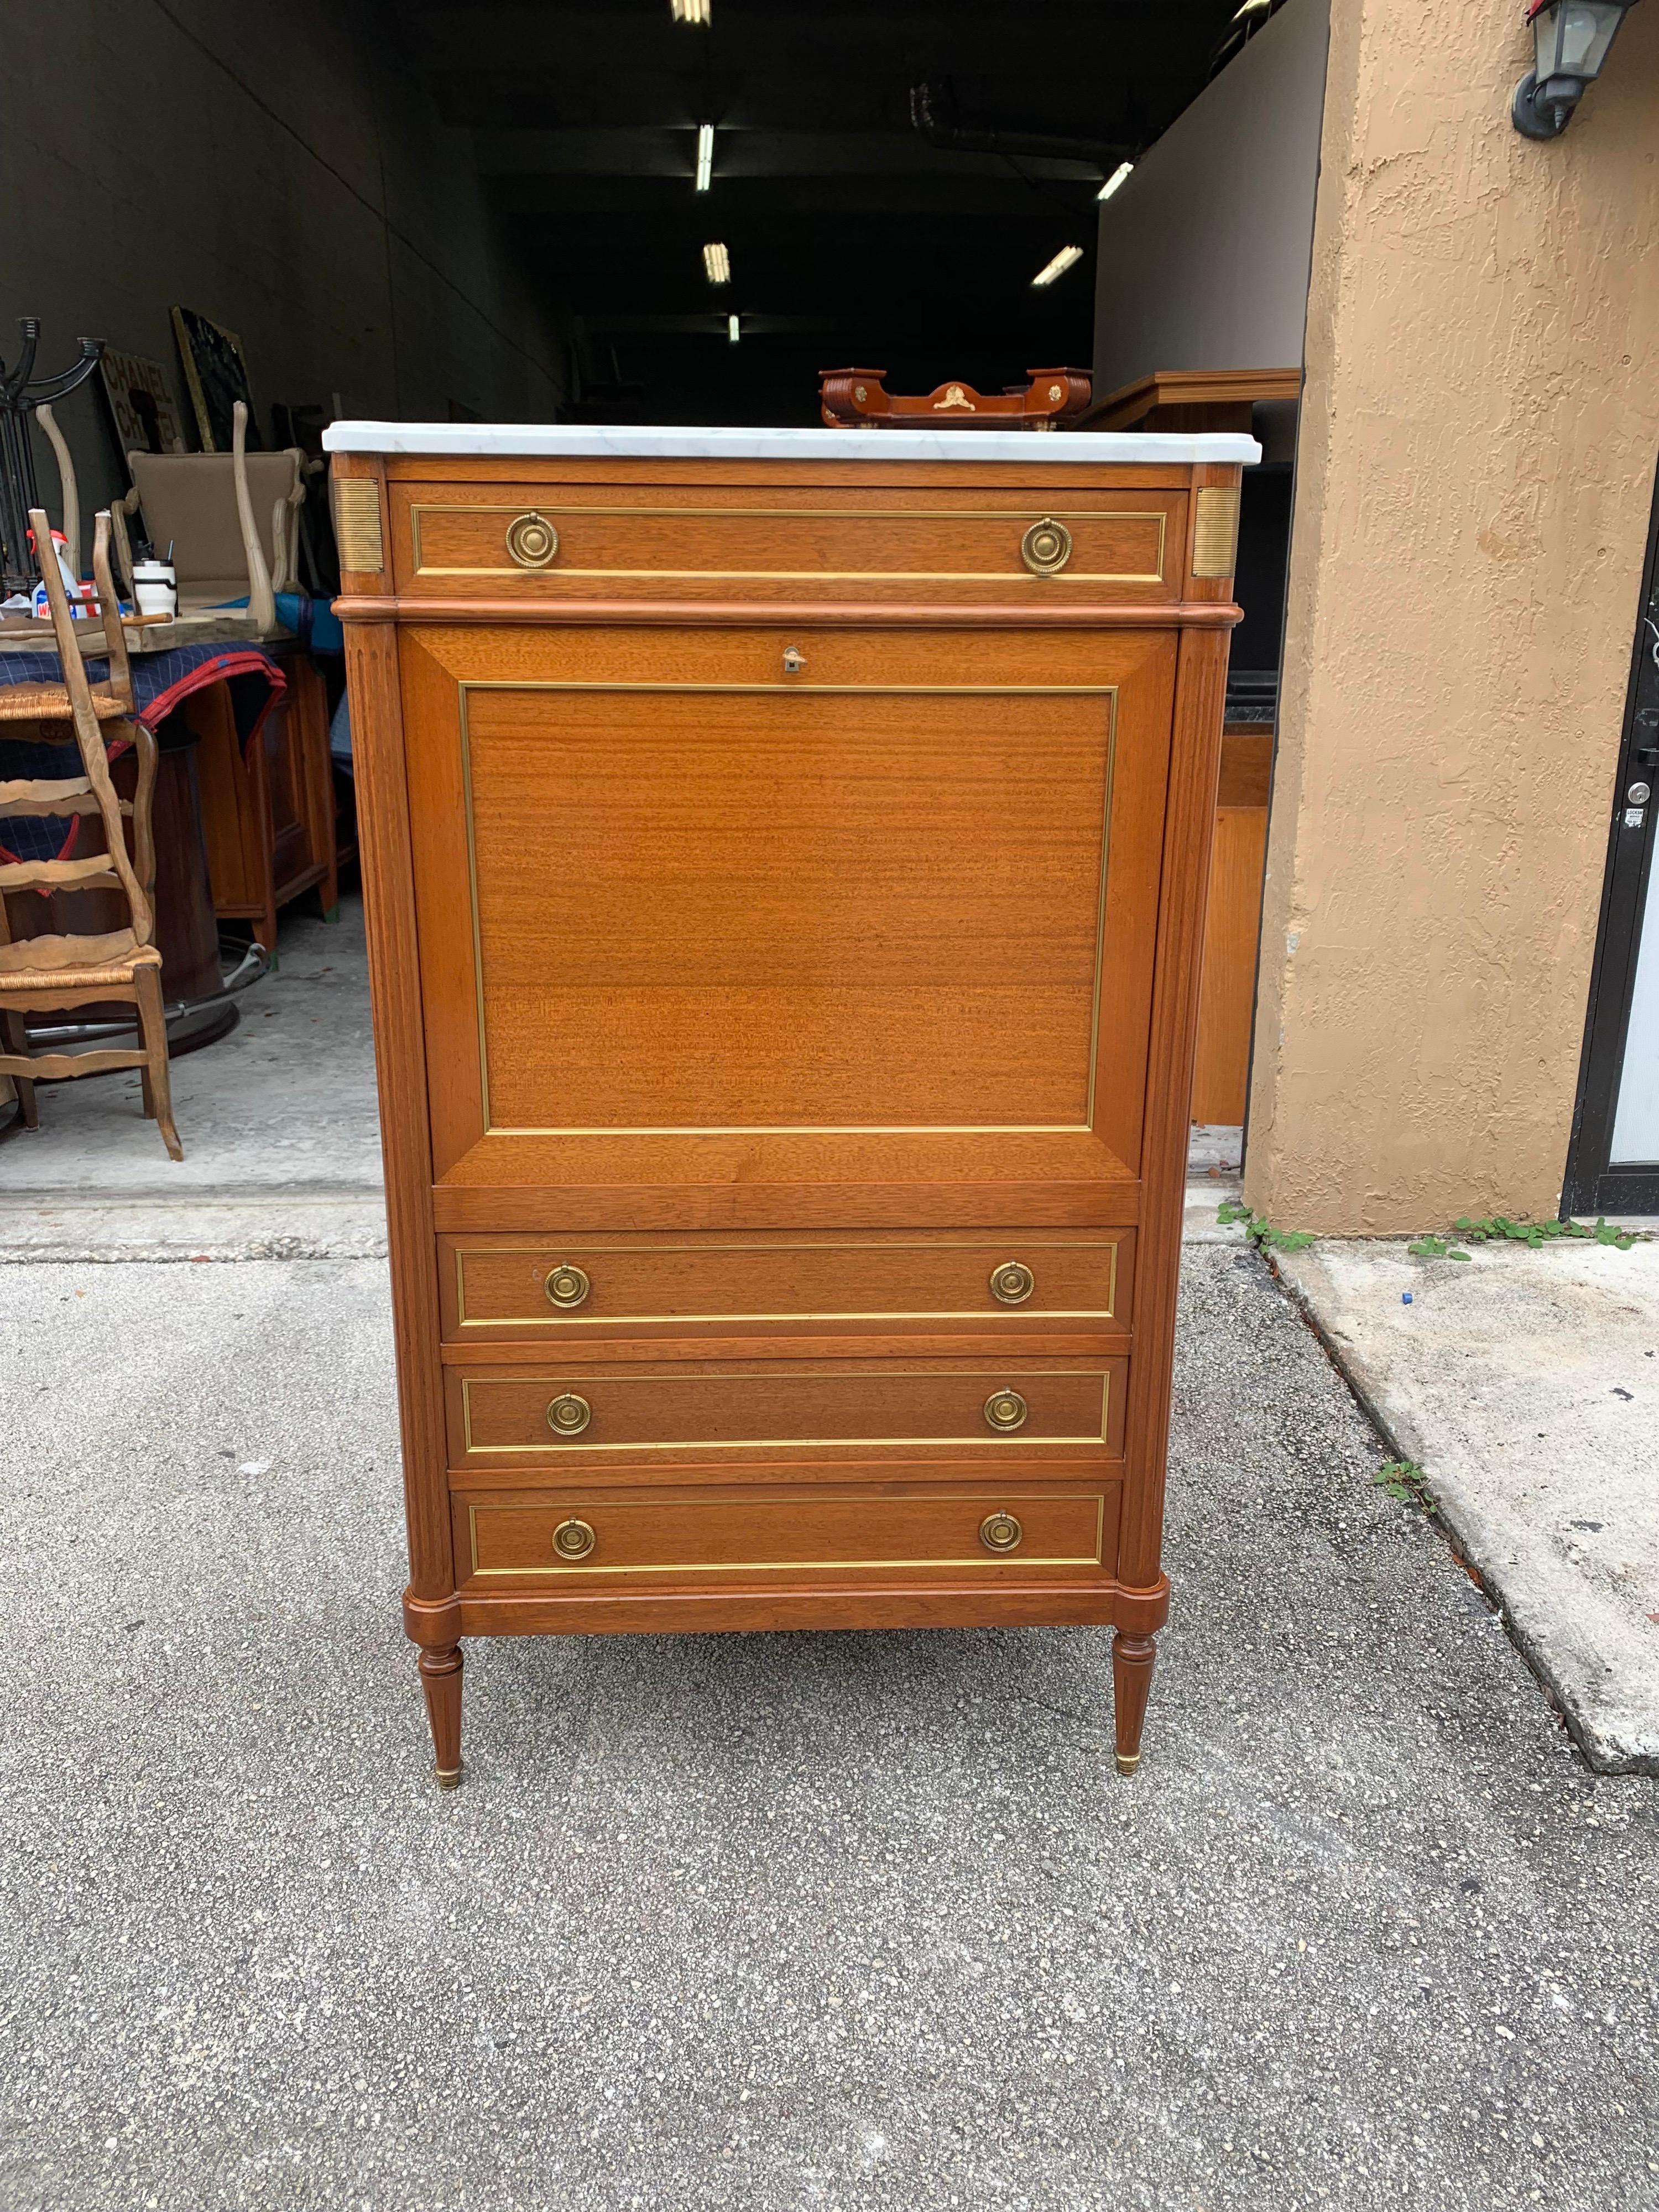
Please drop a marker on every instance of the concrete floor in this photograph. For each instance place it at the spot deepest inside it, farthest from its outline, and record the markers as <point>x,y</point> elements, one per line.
<point>1526,1384</point>
<point>279,1123</point>
<point>754,1923</point>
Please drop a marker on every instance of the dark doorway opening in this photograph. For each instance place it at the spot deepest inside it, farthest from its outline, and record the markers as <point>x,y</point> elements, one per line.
<point>1613,1160</point>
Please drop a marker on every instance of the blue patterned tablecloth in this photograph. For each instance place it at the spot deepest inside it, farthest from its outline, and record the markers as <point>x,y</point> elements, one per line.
<point>160,683</point>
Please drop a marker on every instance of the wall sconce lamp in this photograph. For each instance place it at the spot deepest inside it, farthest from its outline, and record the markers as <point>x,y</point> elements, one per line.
<point>1571,39</point>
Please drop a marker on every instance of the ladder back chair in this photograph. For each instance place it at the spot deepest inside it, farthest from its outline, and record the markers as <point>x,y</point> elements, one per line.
<point>46,974</point>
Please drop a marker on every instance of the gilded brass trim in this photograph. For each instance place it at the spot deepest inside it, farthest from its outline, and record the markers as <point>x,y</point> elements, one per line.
<point>357,523</point>
<point>787,1566</point>
<point>1159,515</point>
<point>567,1320</point>
<point>1215,530</point>
<point>1106,691</point>
<point>562,1451</point>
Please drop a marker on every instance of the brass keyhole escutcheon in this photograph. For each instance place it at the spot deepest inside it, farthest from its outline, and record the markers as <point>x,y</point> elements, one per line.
<point>998,1532</point>
<point>1004,1410</point>
<point>569,1415</point>
<point>531,540</point>
<point>1046,547</point>
<point>574,1540</point>
<point>568,1286</point>
<point>1012,1283</point>
<point>794,660</point>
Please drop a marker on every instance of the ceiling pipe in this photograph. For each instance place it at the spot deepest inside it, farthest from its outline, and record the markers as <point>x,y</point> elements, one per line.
<point>933,114</point>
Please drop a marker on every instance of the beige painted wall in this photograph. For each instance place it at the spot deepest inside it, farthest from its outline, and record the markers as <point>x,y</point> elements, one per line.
<point>1476,463</point>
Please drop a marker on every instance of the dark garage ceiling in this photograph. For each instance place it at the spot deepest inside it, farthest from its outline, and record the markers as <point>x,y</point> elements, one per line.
<point>854,236</point>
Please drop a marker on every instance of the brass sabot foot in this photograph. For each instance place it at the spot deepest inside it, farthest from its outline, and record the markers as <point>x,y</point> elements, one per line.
<point>1127,1761</point>
<point>449,1778</point>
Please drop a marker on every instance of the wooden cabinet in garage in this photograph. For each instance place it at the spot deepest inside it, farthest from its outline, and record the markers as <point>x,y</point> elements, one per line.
<point>786,856</point>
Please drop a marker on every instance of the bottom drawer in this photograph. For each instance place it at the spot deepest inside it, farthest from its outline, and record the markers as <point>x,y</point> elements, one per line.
<point>1049,1532</point>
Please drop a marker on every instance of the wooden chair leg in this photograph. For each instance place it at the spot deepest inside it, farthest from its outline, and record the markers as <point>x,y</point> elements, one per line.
<point>15,1033</point>
<point>1133,1660</point>
<point>440,1678</point>
<point>157,1080</point>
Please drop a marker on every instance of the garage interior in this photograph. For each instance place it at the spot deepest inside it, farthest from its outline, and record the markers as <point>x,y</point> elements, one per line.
<point>888,182</point>
<point>484,211</point>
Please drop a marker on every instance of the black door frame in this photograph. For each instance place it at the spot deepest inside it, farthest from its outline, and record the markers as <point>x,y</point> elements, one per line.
<point>1593,1184</point>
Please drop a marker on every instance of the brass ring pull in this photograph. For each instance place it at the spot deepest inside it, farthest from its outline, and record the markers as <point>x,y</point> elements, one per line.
<point>531,540</point>
<point>1006,1410</point>
<point>574,1540</point>
<point>998,1532</point>
<point>1012,1283</point>
<point>1046,547</point>
<point>568,1286</point>
<point>569,1415</point>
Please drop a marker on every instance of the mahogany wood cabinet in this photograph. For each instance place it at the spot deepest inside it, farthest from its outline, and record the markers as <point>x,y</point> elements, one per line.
<point>786,857</point>
<point>268,809</point>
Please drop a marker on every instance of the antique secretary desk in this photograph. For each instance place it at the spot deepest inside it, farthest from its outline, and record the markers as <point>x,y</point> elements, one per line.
<point>786,856</point>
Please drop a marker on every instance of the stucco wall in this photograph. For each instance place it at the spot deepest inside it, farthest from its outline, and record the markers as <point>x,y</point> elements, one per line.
<point>283,171</point>
<point>1478,441</point>
<point>1203,259</point>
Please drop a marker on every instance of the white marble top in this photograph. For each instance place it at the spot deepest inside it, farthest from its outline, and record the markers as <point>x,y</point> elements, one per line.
<point>571,441</point>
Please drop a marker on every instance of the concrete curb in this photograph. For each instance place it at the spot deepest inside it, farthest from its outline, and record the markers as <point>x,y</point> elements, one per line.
<point>327,1225</point>
<point>347,1225</point>
<point>1552,1619</point>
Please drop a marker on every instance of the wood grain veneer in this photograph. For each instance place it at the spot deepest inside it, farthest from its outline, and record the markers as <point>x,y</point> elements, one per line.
<point>703,1409</point>
<point>500,1288</point>
<point>1064,1534</point>
<point>784,908</point>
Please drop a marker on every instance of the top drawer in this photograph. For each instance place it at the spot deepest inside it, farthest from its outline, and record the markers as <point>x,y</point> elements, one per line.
<point>588,542</point>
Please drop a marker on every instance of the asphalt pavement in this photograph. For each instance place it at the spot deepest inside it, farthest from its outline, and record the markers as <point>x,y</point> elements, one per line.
<point>807,1921</point>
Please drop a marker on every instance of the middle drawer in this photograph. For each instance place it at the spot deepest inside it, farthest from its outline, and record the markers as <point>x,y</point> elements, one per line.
<point>505,1287</point>
<point>509,1415</point>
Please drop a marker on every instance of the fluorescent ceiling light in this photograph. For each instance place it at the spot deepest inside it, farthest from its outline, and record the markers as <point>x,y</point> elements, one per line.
<point>1065,259</point>
<point>1116,178</point>
<point>717,264</point>
<point>705,155</point>
<point>690,11</point>
<point>733,329</point>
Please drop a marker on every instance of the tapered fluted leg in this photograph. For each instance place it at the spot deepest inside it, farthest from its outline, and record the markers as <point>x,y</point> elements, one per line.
<point>1133,1660</point>
<point>440,1678</point>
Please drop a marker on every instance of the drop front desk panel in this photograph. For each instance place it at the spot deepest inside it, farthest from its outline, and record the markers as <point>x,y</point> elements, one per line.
<point>786,872</point>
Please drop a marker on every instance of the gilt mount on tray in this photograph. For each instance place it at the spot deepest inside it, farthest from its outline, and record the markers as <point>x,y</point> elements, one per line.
<point>853,399</point>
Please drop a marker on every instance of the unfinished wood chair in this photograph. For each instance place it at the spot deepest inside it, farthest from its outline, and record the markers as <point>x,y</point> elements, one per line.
<point>43,973</point>
<point>208,506</point>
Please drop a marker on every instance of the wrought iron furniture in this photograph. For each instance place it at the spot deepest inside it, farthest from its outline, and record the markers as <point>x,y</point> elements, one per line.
<point>20,395</point>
